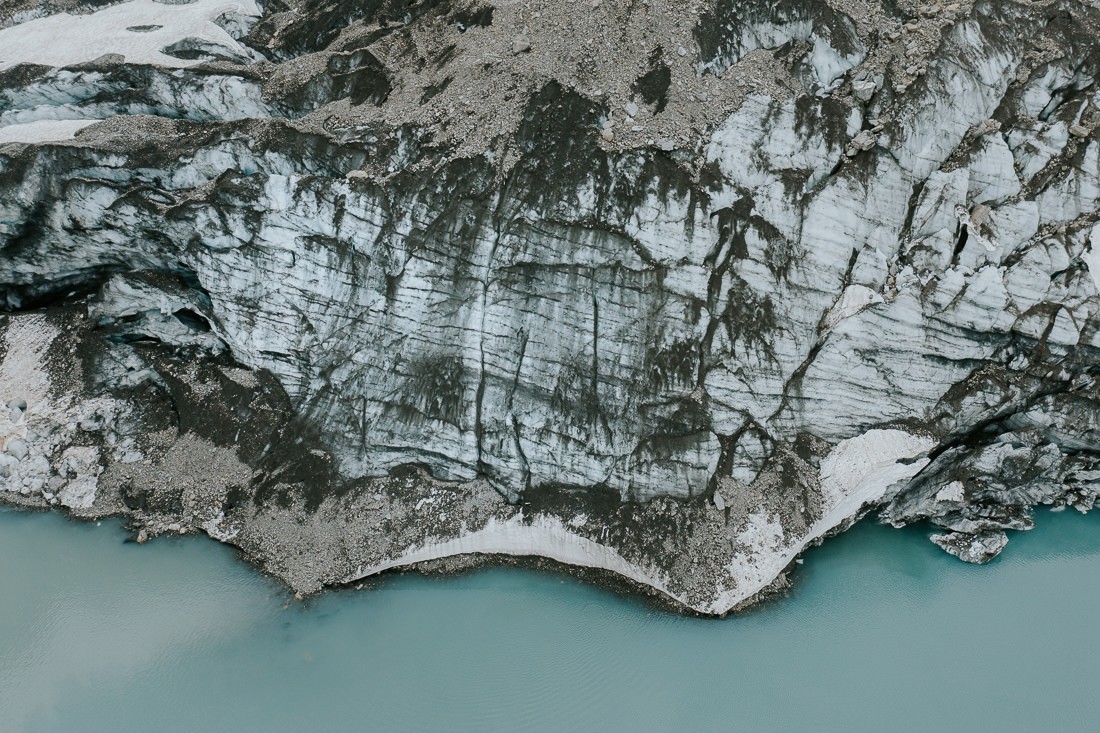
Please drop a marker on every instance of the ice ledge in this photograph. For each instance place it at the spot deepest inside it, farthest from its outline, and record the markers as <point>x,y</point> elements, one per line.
<point>543,536</point>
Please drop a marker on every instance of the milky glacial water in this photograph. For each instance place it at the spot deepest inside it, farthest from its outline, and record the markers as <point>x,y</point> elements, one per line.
<point>882,632</point>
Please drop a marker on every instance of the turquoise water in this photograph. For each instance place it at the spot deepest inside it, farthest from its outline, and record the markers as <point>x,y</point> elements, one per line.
<point>882,632</point>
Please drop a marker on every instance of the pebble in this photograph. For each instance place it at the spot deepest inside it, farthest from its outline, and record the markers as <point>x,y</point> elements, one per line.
<point>142,537</point>
<point>1079,131</point>
<point>521,44</point>
<point>631,109</point>
<point>666,145</point>
<point>174,527</point>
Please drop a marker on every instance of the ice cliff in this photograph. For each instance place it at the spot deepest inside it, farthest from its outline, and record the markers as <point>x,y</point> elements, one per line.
<point>669,290</point>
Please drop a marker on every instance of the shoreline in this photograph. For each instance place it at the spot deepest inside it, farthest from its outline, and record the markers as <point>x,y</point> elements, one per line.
<point>166,471</point>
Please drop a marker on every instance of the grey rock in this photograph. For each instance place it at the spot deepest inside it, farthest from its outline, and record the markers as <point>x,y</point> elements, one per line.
<point>864,89</point>
<point>17,447</point>
<point>9,465</point>
<point>865,140</point>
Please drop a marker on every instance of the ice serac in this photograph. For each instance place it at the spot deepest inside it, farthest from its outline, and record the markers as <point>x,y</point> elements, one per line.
<point>673,310</point>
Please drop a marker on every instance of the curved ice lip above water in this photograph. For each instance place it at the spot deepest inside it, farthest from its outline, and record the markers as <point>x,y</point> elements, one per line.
<point>63,39</point>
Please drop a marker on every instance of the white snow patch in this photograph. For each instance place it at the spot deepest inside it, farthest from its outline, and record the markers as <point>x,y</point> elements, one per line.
<point>857,471</point>
<point>63,39</point>
<point>543,537</point>
<point>43,131</point>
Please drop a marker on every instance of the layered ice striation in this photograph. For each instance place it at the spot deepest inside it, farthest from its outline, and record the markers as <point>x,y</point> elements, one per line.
<point>872,286</point>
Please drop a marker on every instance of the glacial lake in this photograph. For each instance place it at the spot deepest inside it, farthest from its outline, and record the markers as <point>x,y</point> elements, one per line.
<point>882,631</point>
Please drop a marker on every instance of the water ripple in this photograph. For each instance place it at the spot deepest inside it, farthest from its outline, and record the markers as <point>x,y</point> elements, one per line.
<point>96,635</point>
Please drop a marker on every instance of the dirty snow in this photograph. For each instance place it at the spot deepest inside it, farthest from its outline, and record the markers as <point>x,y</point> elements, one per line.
<point>43,131</point>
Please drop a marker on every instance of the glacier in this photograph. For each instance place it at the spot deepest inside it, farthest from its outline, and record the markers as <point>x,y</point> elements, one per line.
<point>370,285</point>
